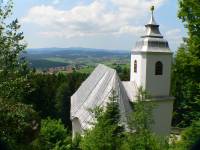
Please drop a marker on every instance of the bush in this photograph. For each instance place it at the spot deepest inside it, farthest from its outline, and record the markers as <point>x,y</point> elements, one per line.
<point>53,135</point>
<point>19,123</point>
<point>190,136</point>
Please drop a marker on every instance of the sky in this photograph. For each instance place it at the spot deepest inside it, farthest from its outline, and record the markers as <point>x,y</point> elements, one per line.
<point>104,24</point>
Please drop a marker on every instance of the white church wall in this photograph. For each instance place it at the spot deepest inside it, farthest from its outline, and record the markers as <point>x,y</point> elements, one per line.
<point>162,116</point>
<point>143,70</point>
<point>139,76</point>
<point>135,76</point>
<point>158,85</point>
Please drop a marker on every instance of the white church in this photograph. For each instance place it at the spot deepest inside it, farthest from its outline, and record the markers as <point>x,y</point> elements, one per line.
<point>150,68</point>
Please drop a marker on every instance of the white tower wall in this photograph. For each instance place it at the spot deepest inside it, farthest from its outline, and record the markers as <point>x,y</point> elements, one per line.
<point>149,50</point>
<point>158,85</point>
<point>138,77</point>
<point>162,116</point>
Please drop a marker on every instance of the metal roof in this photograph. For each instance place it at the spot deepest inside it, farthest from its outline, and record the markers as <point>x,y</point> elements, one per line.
<point>131,90</point>
<point>95,91</point>
<point>153,40</point>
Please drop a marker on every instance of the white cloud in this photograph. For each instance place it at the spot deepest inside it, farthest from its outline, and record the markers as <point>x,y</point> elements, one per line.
<point>174,36</point>
<point>138,30</point>
<point>173,33</point>
<point>136,8</point>
<point>99,17</point>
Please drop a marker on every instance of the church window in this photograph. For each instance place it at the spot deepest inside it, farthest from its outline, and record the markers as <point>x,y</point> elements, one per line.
<point>159,68</point>
<point>135,66</point>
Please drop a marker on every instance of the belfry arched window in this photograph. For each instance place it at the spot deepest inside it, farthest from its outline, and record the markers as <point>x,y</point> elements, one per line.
<point>135,66</point>
<point>158,68</point>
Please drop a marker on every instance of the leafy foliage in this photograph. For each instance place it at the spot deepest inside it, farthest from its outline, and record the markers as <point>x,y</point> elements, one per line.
<point>142,119</point>
<point>76,142</point>
<point>62,105</point>
<point>123,72</point>
<point>53,135</point>
<point>13,69</point>
<point>43,94</point>
<point>140,136</point>
<point>186,69</point>
<point>189,12</point>
<point>19,123</point>
<point>106,132</point>
<point>190,138</point>
<point>186,88</point>
<point>51,94</point>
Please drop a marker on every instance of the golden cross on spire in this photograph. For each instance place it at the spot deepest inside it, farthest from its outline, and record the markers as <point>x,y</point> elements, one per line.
<point>152,9</point>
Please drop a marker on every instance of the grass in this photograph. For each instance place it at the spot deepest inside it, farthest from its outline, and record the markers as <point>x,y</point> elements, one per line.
<point>86,70</point>
<point>91,62</point>
<point>56,59</point>
<point>89,69</point>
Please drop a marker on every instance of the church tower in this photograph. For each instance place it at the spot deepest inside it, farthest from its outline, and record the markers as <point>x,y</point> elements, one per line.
<point>151,69</point>
<point>151,61</point>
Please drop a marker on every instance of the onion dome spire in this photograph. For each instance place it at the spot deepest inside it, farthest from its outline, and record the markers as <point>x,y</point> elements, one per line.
<point>152,28</point>
<point>152,40</point>
<point>152,21</point>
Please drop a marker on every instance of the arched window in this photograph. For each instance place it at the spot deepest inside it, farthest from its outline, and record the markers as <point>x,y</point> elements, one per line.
<point>135,66</point>
<point>159,68</point>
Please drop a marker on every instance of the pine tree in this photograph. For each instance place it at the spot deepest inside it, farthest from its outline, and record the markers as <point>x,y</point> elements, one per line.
<point>62,103</point>
<point>107,132</point>
<point>140,135</point>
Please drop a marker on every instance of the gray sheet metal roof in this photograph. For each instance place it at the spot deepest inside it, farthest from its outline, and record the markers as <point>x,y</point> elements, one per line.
<point>153,40</point>
<point>131,89</point>
<point>95,91</point>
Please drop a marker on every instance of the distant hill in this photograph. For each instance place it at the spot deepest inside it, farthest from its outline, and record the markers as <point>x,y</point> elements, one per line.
<point>55,49</point>
<point>46,64</point>
<point>54,57</point>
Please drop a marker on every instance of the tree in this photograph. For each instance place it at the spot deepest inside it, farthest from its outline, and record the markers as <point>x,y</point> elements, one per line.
<point>186,68</point>
<point>189,12</point>
<point>42,97</point>
<point>142,119</point>
<point>190,137</point>
<point>186,88</point>
<point>123,72</point>
<point>106,132</point>
<point>53,135</point>
<point>19,124</point>
<point>13,67</point>
<point>68,85</point>
<point>140,136</point>
<point>62,103</point>
<point>51,93</point>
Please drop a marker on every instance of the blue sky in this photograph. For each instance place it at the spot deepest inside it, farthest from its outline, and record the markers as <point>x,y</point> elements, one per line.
<point>108,24</point>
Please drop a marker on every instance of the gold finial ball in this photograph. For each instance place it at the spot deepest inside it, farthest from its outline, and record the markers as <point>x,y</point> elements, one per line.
<point>152,8</point>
